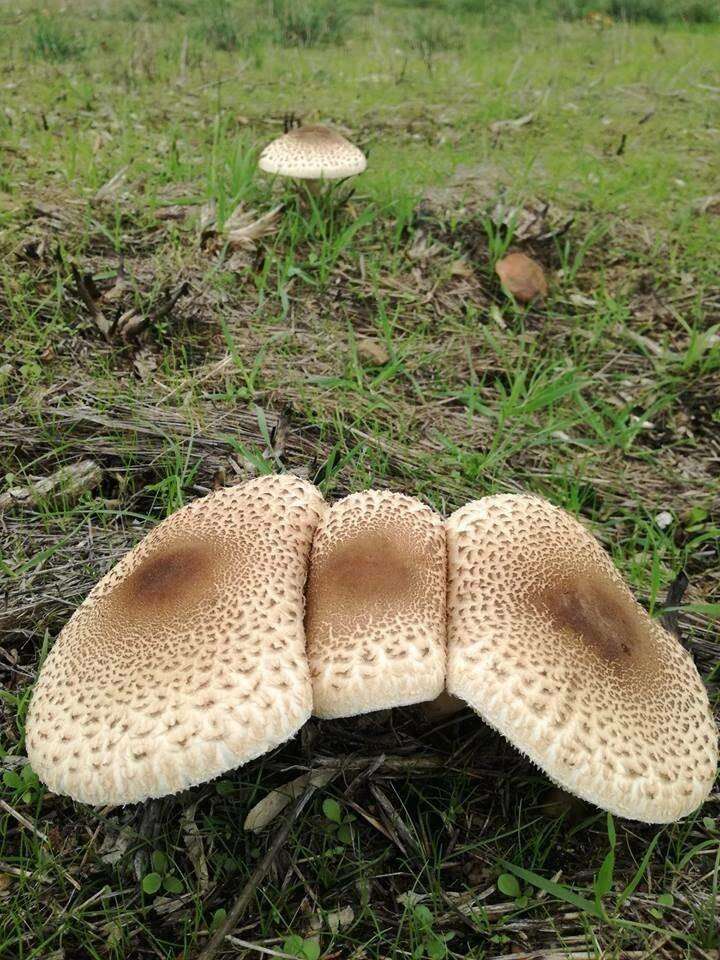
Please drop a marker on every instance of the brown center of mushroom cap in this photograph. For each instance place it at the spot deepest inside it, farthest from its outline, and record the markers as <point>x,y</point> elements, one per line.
<point>314,133</point>
<point>598,611</point>
<point>369,570</point>
<point>172,579</point>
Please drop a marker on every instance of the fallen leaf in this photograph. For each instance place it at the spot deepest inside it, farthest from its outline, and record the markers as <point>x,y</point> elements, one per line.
<point>113,187</point>
<point>272,805</point>
<point>709,204</point>
<point>68,482</point>
<point>334,921</point>
<point>460,268</point>
<point>115,845</point>
<point>497,126</point>
<point>90,295</point>
<point>242,230</point>
<point>194,845</point>
<point>208,216</point>
<point>145,363</point>
<point>522,277</point>
<point>535,220</point>
<point>580,300</point>
<point>372,350</point>
<point>174,212</point>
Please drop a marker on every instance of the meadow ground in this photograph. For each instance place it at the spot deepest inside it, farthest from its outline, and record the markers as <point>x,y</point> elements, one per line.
<point>363,342</point>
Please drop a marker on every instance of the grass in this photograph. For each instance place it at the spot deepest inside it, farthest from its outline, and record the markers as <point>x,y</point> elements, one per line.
<point>363,342</point>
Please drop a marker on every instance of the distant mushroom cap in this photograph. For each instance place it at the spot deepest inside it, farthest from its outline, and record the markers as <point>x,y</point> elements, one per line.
<point>523,277</point>
<point>547,644</point>
<point>188,658</point>
<point>312,153</point>
<point>375,619</point>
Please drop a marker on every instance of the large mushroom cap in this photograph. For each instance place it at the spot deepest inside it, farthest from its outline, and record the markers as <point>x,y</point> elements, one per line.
<point>375,618</point>
<point>312,153</point>
<point>546,642</point>
<point>188,658</point>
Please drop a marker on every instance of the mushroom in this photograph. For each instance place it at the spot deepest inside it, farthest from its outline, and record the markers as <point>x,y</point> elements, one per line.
<point>188,658</point>
<point>522,277</point>
<point>547,644</point>
<point>375,619</point>
<point>314,154</point>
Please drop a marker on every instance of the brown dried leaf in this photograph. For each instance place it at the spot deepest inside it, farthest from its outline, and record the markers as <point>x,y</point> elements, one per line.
<point>242,230</point>
<point>69,482</point>
<point>145,363</point>
<point>208,216</point>
<point>273,804</point>
<point>112,189</point>
<point>372,350</point>
<point>709,204</point>
<point>334,921</point>
<point>195,847</point>
<point>536,220</point>
<point>461,268</point>
<point>498,126</point>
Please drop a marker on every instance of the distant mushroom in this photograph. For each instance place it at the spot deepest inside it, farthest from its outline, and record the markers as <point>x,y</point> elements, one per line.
<point>313,154</point>
<point>547,644</point>
<point>375,620</point>
<point>522,277</point>
<point>188,658</point>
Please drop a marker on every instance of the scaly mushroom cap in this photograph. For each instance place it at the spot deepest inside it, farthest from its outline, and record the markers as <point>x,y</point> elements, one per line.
<point>312,153</point>
<point>375,620</point>
<point>188,658</point>
<point>547,644</point>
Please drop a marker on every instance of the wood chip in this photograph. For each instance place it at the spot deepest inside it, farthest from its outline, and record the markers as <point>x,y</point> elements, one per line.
<point>68,482</point>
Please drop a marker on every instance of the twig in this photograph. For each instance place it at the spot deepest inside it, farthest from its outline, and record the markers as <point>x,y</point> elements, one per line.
<point>90,296</point>
<point>256,878</point>
<point>69,482</point>
<point>237,942</point>
<point>23,821</point>
<point>402,837</point>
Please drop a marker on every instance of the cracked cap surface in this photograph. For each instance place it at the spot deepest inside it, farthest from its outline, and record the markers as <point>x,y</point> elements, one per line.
<point>547,644</point>
<point>188,658</point>
<point>312,153</point>
<point>375,618</point>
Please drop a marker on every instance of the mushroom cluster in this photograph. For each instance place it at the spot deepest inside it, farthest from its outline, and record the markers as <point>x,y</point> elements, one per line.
<point>215,638</point>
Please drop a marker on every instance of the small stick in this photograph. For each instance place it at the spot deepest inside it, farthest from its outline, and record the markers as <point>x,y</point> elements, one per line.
<point>237,942</point>
<point>256,878</point>
<point>28,824</point>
